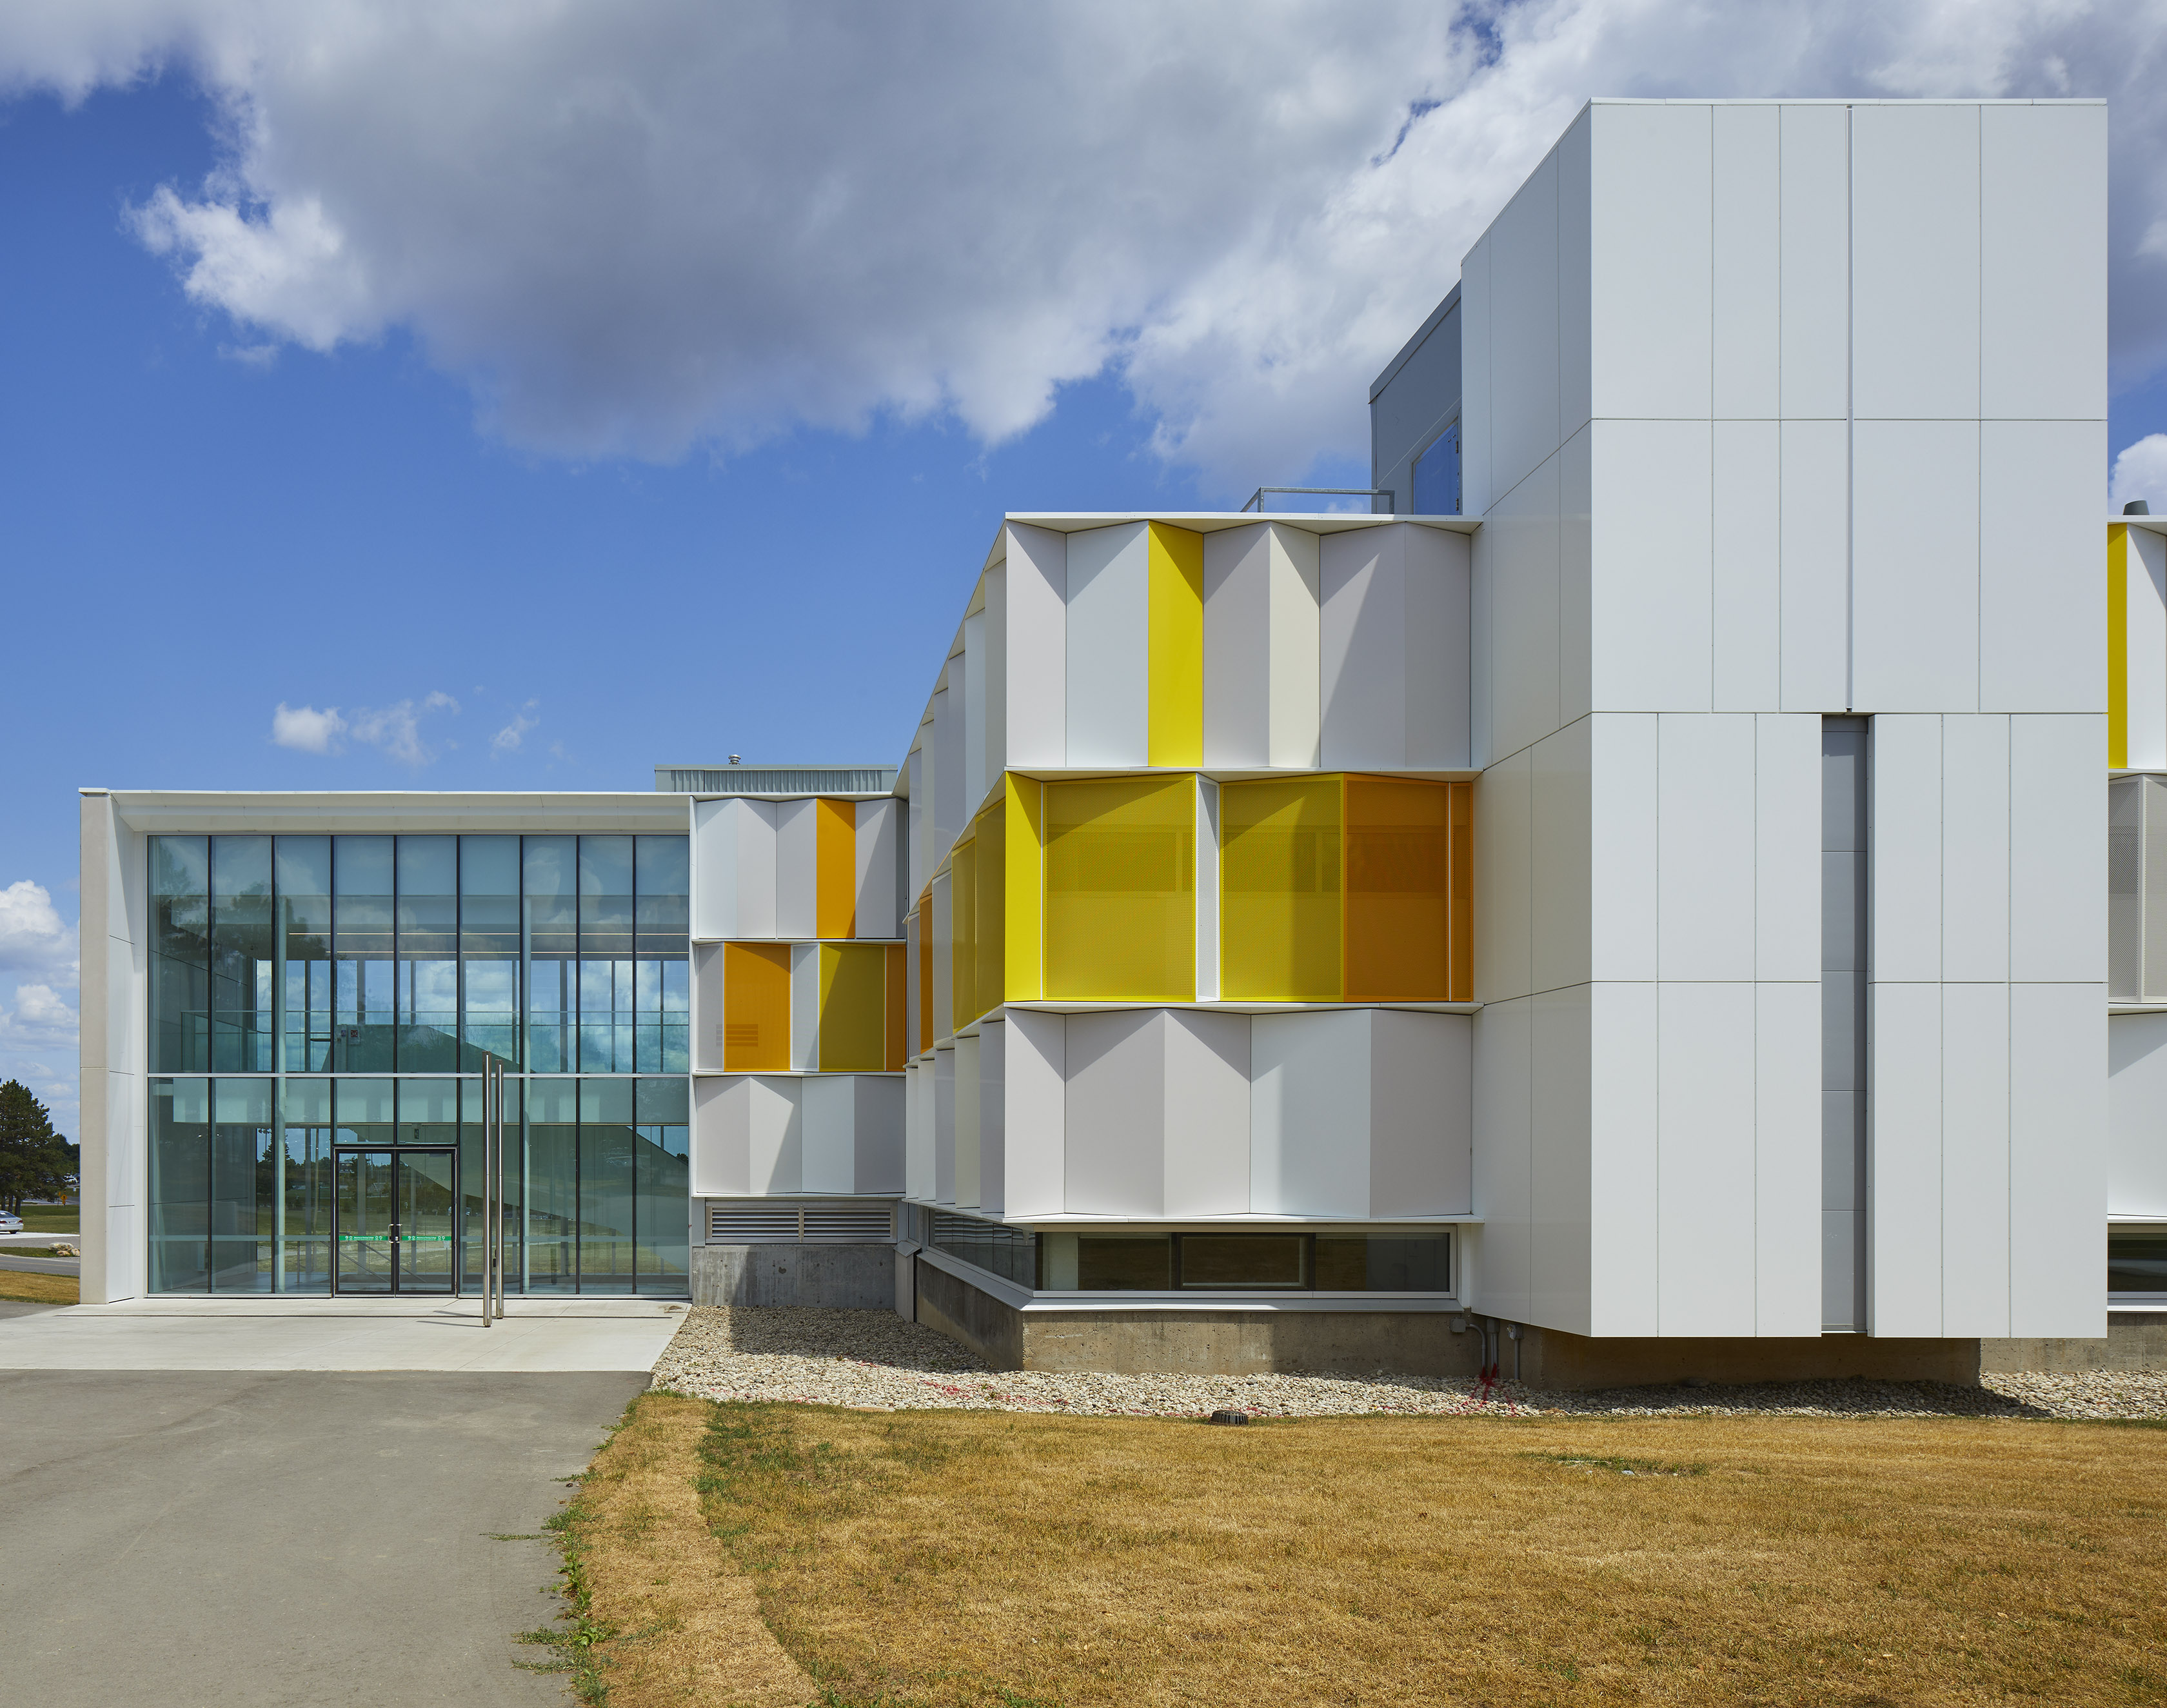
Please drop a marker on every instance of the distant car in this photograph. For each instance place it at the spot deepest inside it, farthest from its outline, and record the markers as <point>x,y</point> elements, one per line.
<point>10,1223</point>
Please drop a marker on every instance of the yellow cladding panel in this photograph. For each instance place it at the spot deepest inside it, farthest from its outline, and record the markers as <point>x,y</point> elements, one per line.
<point>1025,888</point>
<point>756,1008</point>
<point>1279,885</point>
<point>853,1008</point>
<point>2118,649</point>
<point>991,906</point>
<point>963,932</point>
<point>835,859</point>
<point>1120,890</point>
<point>897,1012</point>
<point>1176,558</point>
<point>1399,890</point>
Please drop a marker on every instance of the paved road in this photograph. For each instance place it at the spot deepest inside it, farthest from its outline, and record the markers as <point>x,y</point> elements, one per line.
<point>225,1540</point>
<point>41,1266</point>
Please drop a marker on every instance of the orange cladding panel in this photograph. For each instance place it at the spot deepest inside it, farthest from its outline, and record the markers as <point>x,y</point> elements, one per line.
<point>835,858</point>
<point>756,1008</point>
<point>1398,894</point>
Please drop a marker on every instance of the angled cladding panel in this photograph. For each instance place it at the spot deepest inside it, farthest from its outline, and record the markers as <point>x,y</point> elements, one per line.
<point>1651,593</point>
<point>1904,1159</point>
<point>919,828</point>
<point>797,869</point>
<point>1397,938</point>
<point>1282,866</point>
<point>776,1134</point>
<point>756,1007</point>
<point>951,807</point>
<point>804,1007</point>
<point>1976,1223</point>
<point>1624,823</point>
<point>1207,1113</point>
<point>1575,273</point>
<point>828,1111</point>
<point>755,825</point>
<point>1294,699</point>
<point>722,1136</point>
<point>1476,465</point>
<point>1563,853</point>
<point>1504,919</point>
<point>1207,890</point>
<point>2056,851</point>
<point>1393,639</point>
<point>976,774</point>
<point>1705,1158</point>
<point>1523,245</point>
<point>1747,554</point>
<point>715,868</point>
<point>1815,211</point>
<point>1623,1168</point>
<point>1651,219</point>
<point>1238,627</point>
<point>944,1125</point>
<point>1915,267</point>
<point>1975,899</point>
<point>1422,1111</point>
<point>2138,564</point>
<point>1023,936</point>
<point>895,1010</point>
<point>1036,591</point>
<point>1504,1149</point>
<point>873,869</point>
<point>2137,1113</point>
<point>1115,1116</point>
<point>1907,845</point>
<point>1034,1122</point>
<point>1109,628</point>
<point>1705,832</point>
<point>968,1088</point>
<point>994,639</point>
<point>1787,844</point>
<point>1576,576</point>
<point>1484,560</point>
<point>963,943</point>
<point>2041,607</point>
<point>916,976</point>
<point>709,1026</point>
<point>942,955</point>
<point>835,868</point>
<point>1523,537</point>
<point>1787,1151</point>
<point>2057,1157</point>
<point>853,1007</point>
<point>993,1118</point>
<point>1310,1114</point>
<point>1561,1204</point>
<point>1814,469</point>
<point>877,1133</point>
<point>1747,261</point>
<point>2042,274</point>
<point>921,1172</point>
<point>989,936</point>
<point>1175,602</point>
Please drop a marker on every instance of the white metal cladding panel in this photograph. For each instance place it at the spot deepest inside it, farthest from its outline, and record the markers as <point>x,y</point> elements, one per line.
<point>2145,596</point>
<point>1503,895</point>
<point>1705,807</point>
<point>1975,848</point>
<point>1747,547</point>
<point>1787,847</point>
<point>1748,271</point>
<point>715,868</point>
<point>950,809</point>
<point>2042,599</point>
<point>967,1123</point>
<point>1310,1110</point>
<point>1705,1158</point>
<point>994,687</point>
<point>993,1118</point>
<point>1117,1113</point>
<point>975,771</point>
<point>920,1174</point>
<point>1207,889</point>
<point>707,1009</point>
<point>1560,1186</point>
<point>1037,594</point>
<point>2042,274</point>
<point>1787,1158</point>
<point>774,1118</point>
<point>1623,816</point>
<point>1295,698</point>
<point>797,869</point>
<point>721,1138</point>
<point>1394,640</point>
<point>1915,263</point>
<point>1504,1145</point>
<point>920,824</point>
<point>875,846</point>
<point>750,826</point>
<point>1575,577</point>
<point>1207,1163</point>
<point>1815,532</point>
<point>1237,651</point>
<point>1906,849</point>
<point>1109,646</point>
<point>944,940</point>
<point>944,1125</point>
<point>1474,369</point>
<point>1561,861</point>
<point>1483,557</point>
<point>1624,1165</point>
<point>2056,851</point>
<point>1034,1128</point>
<point>1904,1159</point>
<point>1975,1219</point>
<point>878,1133</point>
<point>804,1007</point>
<point>1651,235</point>
<point>828,1108</point>
<point>1815,213</point>
<point>1522,536</point>
<point>912,925</point>
<point>1522,243</point>
<point>1422,1110</point>
<point>1651,594</point>
<point>2137,1115</point>
<point>1576,274</point>
<point>2057,1158</point>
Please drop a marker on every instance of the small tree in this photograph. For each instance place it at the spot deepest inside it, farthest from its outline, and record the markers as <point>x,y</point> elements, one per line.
<point>35,1162</point>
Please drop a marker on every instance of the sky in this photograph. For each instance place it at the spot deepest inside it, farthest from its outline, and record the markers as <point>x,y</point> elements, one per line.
<point>463,395</point>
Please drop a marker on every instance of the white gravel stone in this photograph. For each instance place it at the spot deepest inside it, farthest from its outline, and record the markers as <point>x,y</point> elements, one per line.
<point>875,1360</point>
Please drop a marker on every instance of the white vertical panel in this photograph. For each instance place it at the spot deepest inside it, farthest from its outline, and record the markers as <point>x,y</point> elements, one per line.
<point>1504,799</point>
<point>915,922</point>
<point>920,1170</point>
<point>1483,559</point>
<point>1034,1127</point>
<point>1309,1113</point>
<point>967,1123</point>
<point>1747,263</point>
<point>805,1006</point>
<point>1036,591</point>
<point>1362,634</point>
<point>976,771</point>
<point>1575,258</point>
<point>2137,1115</point>
<point>1915,585</point>
<point>2057,1158</point>
<point>944,1125</point>
<point>1705,1152</point>
<point>1521,536</point>
<point>1561,859</point>
<point>995,586</point>
<point>1576,576</point>
<point>1207,1113</point>
<point>1434,656</point>
<point>2042,599</point>
<point>1816,566</point>
<point>943,965</point>
<point>1295,698</point>
<point>1787,847</point>
<point>1787,1158</point>
<point>714,869</point>
<point>1975,848</point>
<point>797,869</point>
<point>1651,591</point>
<point>1237,613</point>
<point>828,1108</point>
<point>1523,329</point>
<point>1815,214</point>
<point>776,1134</point>
<point>877,1126</point>
<point>1422,1111</point>
<point>2057,849</point>
<point>1975,1208</point>
<point>1561,1201</point>
<point>1504,1139</point>
<point>993,1118</point>
<point>1624,1162</point>
<point>875,845</point>
<point>1705,838</point>
<point>2145,596</point>
<point>1117,1113</point>
<point>1207,890</point>
<point>1651,223</point>
<point>919,828</point>
<point>1906,849</point>
<point>2042,273</point>
<point>1916,261</point>
<point>949,810</point>
<point>1904,1159</point>
<point>1748,560</point>
<point>708,1008</point>
<point>1474,340</point>
<point>721,1138</point>
<point>1624,824</point>
<point>1109,630</point>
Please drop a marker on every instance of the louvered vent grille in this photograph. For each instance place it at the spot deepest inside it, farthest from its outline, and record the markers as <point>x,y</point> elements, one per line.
<point>746,1224</point>
<point>771,1224</point>
<point>849,1222</point>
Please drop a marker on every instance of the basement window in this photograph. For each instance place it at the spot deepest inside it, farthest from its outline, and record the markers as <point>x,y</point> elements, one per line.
<point>2137,1264</point>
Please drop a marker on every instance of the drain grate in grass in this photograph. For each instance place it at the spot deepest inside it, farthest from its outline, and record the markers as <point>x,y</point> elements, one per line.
<point>1621,1467</point>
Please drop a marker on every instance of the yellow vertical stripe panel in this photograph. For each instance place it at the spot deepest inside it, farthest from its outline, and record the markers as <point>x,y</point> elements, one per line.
<point>1120,890</point>
<point>896,1016</point>
<point>1280,890</point>
<point>756,1008</point>
<point>853,1005</point>
<point>1462,987</point>
<point>835,860</point>
<point>1398,893</point>
<point>2118,649</point>
<point>1024,889</point>
<point>1176,656</point>
<point>963,932</point>
<point>991,907</point>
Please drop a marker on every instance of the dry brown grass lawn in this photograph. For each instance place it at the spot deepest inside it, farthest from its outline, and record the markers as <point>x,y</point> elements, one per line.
<point>39,1289</point>
<point>943,1557</point>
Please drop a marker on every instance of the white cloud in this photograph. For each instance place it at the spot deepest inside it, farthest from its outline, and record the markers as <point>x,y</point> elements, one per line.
<point>2140,472</point>
<point>397,729</point>
<point>305,729</point>
<point>636,230</point>
<point>507,739</point>
<point>33,937</point>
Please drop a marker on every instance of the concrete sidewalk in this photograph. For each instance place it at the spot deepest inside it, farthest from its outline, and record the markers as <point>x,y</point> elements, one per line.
<point>207,1333</point>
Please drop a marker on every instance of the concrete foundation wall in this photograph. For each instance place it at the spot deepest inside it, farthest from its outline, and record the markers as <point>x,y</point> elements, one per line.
<point>2135,1340</point>
<point>832,1277</point>
<point>1547,1358</point>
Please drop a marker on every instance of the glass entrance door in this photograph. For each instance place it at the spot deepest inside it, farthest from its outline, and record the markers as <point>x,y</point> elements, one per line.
<point>394,1212</point>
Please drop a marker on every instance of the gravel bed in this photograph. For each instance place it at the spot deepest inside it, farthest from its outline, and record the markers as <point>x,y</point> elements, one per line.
<point>875,1360</point>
